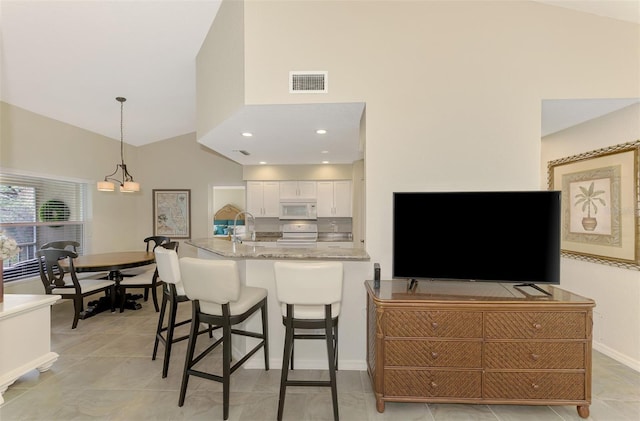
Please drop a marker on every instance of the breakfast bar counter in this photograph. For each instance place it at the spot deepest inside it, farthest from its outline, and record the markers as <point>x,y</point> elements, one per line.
<point>255,263</point>
<point>254,250</point>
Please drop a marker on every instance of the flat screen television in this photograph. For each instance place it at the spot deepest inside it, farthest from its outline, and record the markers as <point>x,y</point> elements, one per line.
<point>502,236</point>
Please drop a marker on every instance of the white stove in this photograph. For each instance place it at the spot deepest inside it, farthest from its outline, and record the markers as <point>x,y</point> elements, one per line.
<point>299,235</point>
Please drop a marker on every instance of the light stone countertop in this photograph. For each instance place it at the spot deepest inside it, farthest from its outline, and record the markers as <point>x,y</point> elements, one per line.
<point>224,247</point>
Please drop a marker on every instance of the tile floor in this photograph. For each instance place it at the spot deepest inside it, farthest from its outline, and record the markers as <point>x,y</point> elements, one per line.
<point>105,372</point>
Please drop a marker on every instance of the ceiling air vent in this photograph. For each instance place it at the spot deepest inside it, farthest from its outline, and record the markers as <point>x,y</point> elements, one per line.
<point>308,82</point>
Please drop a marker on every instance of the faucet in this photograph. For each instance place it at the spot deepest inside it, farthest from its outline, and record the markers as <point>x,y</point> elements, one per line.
<point>235,223</point>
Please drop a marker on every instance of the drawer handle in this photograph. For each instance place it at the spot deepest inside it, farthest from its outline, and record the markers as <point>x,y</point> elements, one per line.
<point>537,326</point>
<point>434,355</point>
<point>434,325</point>
<point>434,385</point>
<point>535,386</point>
<point>535,357</point>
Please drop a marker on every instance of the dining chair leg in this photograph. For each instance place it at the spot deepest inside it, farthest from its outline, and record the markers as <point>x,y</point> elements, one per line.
<point>154,295</point>
<point>335,344</point>
<point>123,298</point>
<point>77,308</point>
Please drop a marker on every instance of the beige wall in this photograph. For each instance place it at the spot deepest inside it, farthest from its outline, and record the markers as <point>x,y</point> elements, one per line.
<point>35,144</point>
<point>452,89</point>
<point>616,291</point>
<point>220,69</point>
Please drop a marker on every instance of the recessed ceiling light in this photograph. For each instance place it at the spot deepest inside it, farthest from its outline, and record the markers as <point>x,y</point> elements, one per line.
<point>247,134</point>
<point>321,131</point>
<point>262,162</point>
<point>325,162</point>
<point>324,152</point>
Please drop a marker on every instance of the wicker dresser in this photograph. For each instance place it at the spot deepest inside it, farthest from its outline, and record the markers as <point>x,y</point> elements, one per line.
<point>478,343</point>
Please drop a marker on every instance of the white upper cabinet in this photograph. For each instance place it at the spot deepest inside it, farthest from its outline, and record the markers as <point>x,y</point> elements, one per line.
<point>263,198</point>
<point>334,199</point>
<point>297,190</point>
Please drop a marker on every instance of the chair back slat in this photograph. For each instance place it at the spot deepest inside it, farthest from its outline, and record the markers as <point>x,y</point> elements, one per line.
<point>62,244</point>
<point>155,241</point>
<point>51,274</point>
<point>308,283</point>
<point>214,281</point>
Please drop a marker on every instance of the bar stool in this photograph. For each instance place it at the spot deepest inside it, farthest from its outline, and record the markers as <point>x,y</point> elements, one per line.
<point>168,269</point>
<point>310,294</point>
<point>218,298</point>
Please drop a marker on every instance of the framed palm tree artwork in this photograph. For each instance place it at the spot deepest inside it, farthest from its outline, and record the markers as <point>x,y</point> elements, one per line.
<point>599,204</point>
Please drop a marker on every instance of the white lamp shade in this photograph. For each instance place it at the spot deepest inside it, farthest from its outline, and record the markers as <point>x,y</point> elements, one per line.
<point>130,187</point>
<point>105,186</point>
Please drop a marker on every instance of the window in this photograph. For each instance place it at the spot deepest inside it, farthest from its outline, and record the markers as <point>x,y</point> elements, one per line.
<point>36,210</point>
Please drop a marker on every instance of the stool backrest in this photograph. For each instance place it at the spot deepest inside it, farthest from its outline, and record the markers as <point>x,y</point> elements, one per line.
<point>168,267</point>
<point>214,281</point>
<point>308,283</point>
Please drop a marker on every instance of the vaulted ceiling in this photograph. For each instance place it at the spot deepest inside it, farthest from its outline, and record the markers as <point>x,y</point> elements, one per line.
<point>68,60</point>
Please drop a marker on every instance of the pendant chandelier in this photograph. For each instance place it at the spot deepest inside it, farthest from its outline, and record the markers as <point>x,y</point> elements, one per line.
<point>127,185</point>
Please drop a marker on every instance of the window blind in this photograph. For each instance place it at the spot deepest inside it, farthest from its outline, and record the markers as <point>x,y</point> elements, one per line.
<point>36,210</point>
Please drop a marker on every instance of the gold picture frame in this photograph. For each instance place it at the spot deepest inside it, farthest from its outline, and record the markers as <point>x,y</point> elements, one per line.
<point>599,204</point>
<point>172,213</point>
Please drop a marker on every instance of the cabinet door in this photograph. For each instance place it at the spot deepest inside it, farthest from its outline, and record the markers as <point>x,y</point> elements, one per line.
<point>307,189</point>
<point>325,199</point>
<point>271,199</point>
<point>297,190</point>
<point>288,190</point>
<point>255,198</point>
<point>342,199</point>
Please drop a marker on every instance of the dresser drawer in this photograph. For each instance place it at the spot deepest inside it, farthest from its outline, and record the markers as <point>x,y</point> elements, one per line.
<point>534,385</point>
<point>440,324</point>
<point>535,325</point>
<point>432,383</point>
<point>425,353</point>
<point>535,355</point>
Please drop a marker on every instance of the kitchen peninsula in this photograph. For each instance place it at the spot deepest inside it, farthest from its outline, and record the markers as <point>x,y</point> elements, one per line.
<point>256,269</point>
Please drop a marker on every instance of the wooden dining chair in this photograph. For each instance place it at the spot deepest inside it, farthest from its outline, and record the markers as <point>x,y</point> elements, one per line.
<point>73,246</point>
<point>151,244</point>
<point>58,282</point>
<point>149,279</point>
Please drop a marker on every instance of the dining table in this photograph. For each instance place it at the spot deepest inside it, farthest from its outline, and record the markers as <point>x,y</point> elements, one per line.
<point>114,263</point>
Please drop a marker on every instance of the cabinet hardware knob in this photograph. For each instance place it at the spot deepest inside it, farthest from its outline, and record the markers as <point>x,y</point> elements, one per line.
<point>434,384</point>
<point>434,325</point>
<point>434,355</point>
<point>535,357</point>
<point>537,325</point>
<point>534,386</point>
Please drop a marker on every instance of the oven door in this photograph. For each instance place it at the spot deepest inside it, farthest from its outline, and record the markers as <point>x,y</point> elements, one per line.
<point>301,210</point>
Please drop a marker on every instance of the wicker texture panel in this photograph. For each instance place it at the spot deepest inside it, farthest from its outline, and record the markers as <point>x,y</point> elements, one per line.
<point>440,324</point>
<point>532,385</point>
<point>535,355</point>
<point>371,335</point>
<point>422,383</point>
<point>424,353</point>
<point>538,325</point>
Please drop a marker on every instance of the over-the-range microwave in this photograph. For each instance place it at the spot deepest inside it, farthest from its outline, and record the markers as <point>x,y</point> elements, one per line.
<point>298,210</point>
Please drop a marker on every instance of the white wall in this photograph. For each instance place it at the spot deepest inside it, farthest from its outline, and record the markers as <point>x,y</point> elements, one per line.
<point>615,290</point>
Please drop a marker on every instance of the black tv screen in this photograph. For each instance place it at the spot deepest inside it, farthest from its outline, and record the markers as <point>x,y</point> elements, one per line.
<point>509,236</point>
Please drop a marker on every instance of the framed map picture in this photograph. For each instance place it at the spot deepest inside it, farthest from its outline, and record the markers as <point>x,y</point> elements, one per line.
<point>172,213</point>
<point>599,204</point>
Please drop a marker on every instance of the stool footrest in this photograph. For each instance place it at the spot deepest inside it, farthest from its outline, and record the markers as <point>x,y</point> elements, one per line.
<point>308,383</point>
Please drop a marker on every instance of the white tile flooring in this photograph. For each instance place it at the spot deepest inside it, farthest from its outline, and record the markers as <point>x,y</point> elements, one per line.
<point>105,372</point>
